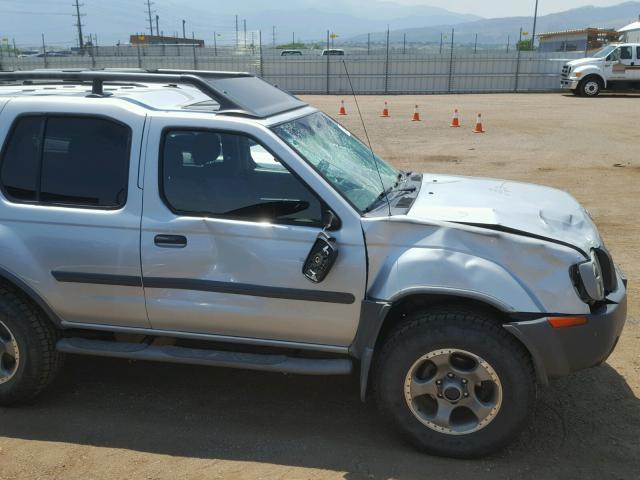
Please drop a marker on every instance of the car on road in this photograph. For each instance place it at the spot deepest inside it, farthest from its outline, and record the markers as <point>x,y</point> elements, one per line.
<point>209,218</point>
<point>615,67</point>
<point>332,51</point>
<point>291,53</point>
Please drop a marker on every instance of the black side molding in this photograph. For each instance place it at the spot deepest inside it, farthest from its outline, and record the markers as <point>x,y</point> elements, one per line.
<point>324,296</point>
<point>97,278</point>
<point>249,289</point>
<point>213,358</point>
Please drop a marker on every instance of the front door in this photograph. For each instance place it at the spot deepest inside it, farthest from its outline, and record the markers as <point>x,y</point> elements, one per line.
<point>226,229</point>
<point>623,64</point>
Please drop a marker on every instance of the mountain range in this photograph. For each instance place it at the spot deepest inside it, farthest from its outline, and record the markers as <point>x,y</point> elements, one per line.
<point>115,20</point>
<point>496,30</point>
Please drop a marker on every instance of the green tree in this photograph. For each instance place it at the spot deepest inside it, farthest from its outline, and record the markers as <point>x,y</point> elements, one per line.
<point>525,45</point>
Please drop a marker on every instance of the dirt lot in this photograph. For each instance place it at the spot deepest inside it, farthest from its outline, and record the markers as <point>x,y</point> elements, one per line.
<point>114,419</point>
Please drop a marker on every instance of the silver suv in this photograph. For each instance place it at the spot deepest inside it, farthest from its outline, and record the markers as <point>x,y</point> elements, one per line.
<point>209,218</point>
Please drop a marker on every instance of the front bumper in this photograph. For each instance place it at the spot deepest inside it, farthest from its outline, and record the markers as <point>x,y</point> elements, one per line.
<point>560,351</point>
<point>570,84</point>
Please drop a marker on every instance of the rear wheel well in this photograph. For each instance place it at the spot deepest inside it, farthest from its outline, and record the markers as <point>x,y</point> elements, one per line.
<point>22,290</point>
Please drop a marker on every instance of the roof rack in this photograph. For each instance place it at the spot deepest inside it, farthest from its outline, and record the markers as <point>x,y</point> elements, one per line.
<point>237,93</point>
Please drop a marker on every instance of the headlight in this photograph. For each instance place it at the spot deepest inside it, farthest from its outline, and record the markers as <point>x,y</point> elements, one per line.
<point>588,279</point>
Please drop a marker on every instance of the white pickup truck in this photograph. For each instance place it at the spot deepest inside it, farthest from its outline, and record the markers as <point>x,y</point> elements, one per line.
<point>614,67</point>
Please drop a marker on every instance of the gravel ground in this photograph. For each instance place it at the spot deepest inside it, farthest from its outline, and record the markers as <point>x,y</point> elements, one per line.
<point>115,419</point>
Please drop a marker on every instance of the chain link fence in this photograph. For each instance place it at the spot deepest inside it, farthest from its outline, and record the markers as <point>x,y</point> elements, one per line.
<point>397,72</point>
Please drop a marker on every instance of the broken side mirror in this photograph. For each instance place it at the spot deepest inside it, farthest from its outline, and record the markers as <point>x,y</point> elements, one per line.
<point>324,252</point>
<point>321,258</point>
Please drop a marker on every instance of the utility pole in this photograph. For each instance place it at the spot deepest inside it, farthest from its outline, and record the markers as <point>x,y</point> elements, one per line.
<point>368,44</point>
<point>475,44</point>
<point>149,12</point>
<point>404,44</point>
<point>184,32</point>
<point>535,20</point>
<point>508,41</point>
<point>293,39</point>
<point>215,45</point>
<point>79,25</point>
<point>440,42</point>
<point>274,37</point>
<point>237,39</point>
<point>158,25</point>
<point>244,26</point>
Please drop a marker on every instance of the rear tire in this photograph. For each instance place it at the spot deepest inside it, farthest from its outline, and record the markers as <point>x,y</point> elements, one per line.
<point>483,399</point>
<point>29,361</point>
<point>590,86</point>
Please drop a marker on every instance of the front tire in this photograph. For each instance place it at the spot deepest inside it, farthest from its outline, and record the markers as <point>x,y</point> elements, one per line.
<point>590,86</point>
<point>454,382</point>
<point>29,361</point>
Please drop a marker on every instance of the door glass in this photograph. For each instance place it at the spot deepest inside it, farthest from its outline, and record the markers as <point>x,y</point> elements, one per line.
<point>625,53</point>
<point>206,173</point>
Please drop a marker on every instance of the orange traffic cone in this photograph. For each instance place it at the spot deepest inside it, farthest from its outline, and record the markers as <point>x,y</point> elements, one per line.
<point>416,115</point>
<point>478,127</point>
<point>385,111</point>
<point>455,121</point>
<point>342,110</point>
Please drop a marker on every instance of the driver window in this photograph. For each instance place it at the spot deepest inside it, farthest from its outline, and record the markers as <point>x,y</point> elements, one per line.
<point>614,56</point>
<point>626,53</point>
<point>206,173</point>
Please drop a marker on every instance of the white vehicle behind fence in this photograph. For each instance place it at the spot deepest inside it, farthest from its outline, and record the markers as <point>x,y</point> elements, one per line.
<point>614,67</point>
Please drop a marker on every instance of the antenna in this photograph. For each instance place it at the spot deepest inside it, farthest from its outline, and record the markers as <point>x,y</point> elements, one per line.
<point>366,134</point>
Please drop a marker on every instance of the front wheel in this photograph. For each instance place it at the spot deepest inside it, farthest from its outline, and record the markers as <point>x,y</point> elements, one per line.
<point>590,86</point>
<point>455,383</point>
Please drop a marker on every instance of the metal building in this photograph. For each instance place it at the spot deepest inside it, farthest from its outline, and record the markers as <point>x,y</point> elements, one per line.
<point>631,33</point>
<point>160,40</point>
<point>582,40</point>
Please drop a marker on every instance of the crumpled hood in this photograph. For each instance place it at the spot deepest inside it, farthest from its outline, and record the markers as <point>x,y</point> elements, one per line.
<point>513,206</point>
<point>584,61</point>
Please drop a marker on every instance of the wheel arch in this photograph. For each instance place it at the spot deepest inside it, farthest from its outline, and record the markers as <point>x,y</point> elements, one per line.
<point>595,74</point>
<point>379,318</point>
<point>12,281</point>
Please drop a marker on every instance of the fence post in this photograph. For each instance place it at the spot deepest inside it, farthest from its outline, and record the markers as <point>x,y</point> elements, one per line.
<point>518,47</point>
<point>195,59</point>
<point>386,66</point>
<point>139,56</point>
<point>44,52</point>
<point>450,83</point>
<point>261,57</point>
<point>328,65</point>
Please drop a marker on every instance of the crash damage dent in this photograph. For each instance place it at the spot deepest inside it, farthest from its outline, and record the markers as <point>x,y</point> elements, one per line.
<point>514,273</point>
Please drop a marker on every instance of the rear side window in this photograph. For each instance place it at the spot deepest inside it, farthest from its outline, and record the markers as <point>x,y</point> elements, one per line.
<point>75,161</point>
<point>625,53</point>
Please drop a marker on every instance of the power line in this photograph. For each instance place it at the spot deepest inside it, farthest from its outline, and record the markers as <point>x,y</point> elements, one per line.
<point>78,24</point>
<point>149,12</point>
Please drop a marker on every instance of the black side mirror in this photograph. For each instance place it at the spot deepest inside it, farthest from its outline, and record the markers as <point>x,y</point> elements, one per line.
<point>321,258</point>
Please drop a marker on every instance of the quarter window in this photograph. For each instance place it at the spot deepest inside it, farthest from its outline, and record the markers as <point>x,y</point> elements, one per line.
<point>206,173</point>
<point>70,161</point>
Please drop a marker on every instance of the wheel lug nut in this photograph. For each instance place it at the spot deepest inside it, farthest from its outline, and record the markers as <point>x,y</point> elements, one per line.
<point>466,394</point>
<point>438,382</point>
<point>450,375</point>
<point>439,395</point>
<point>464,380</point>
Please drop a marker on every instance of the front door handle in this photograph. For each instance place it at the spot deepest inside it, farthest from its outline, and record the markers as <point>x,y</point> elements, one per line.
<point>170,241</point>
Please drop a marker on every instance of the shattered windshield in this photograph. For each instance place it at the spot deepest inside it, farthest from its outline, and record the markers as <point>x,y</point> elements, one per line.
<point>341,158</point>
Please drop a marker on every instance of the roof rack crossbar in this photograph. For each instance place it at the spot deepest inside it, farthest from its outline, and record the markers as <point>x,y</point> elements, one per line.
<point>97,78</point>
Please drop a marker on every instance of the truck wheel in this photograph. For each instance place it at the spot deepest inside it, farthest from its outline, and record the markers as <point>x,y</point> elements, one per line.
<point>29,361</point>
<point>590,86</point>
<point>454,382</point>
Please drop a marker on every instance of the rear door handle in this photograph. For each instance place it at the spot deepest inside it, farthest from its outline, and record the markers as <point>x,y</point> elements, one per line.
<point>170,241</point>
